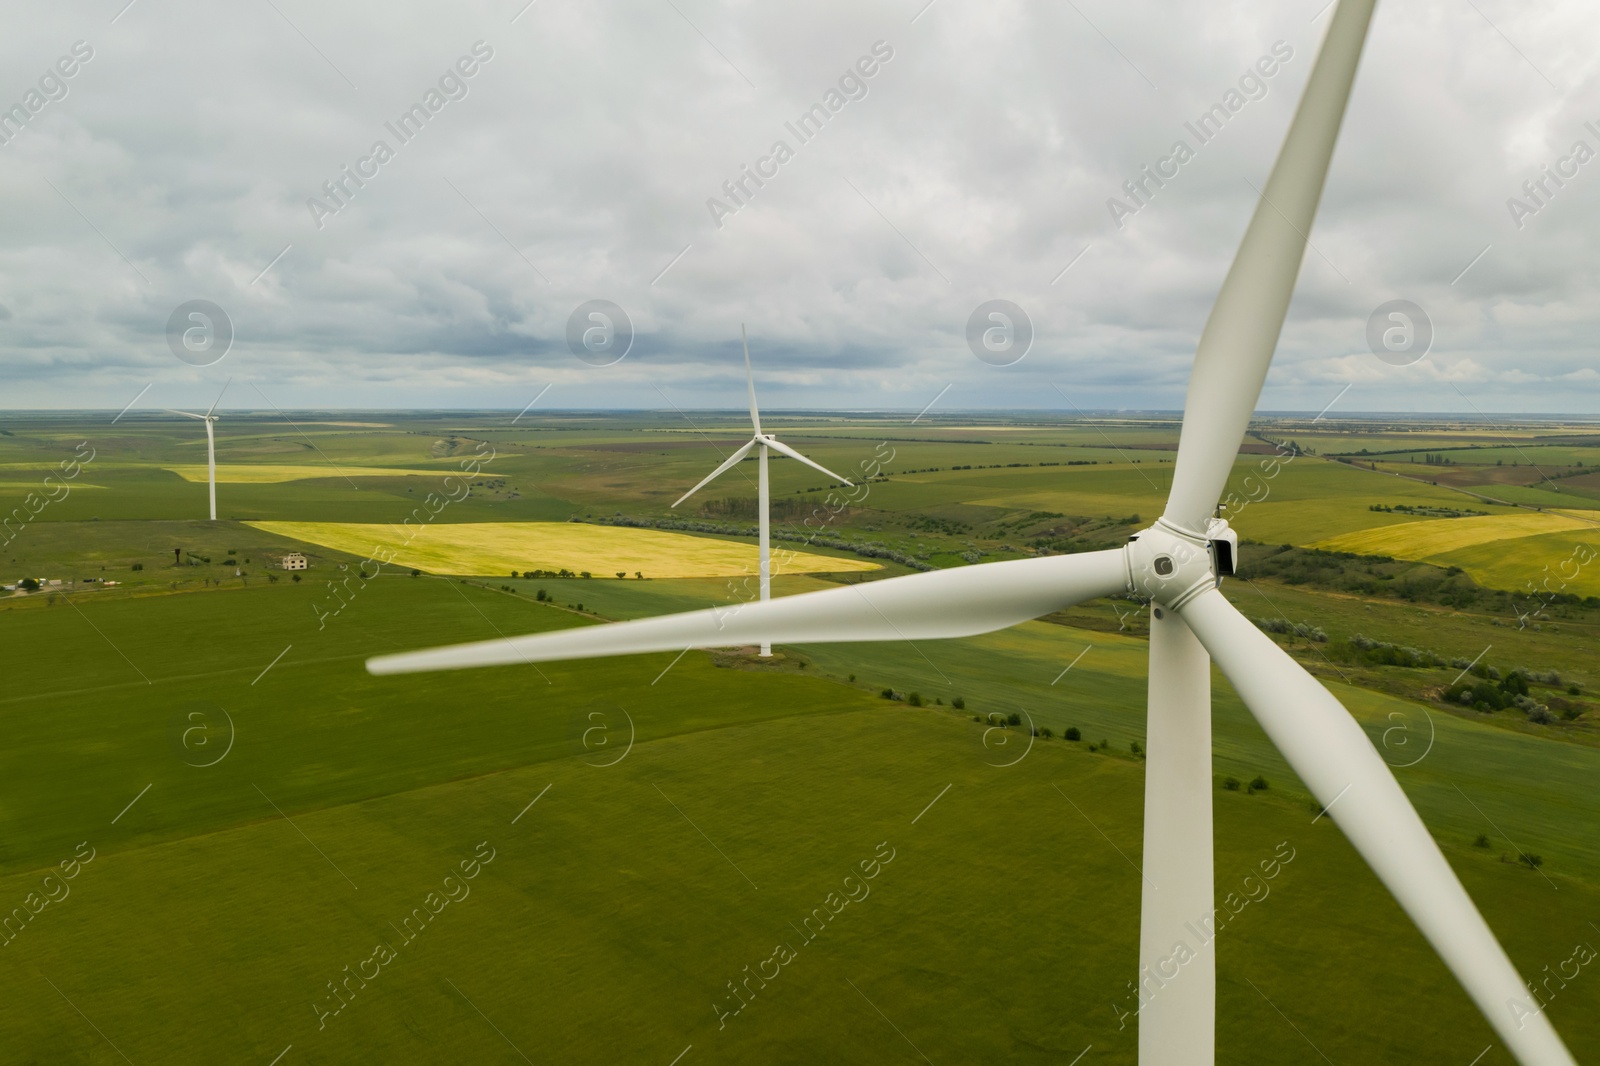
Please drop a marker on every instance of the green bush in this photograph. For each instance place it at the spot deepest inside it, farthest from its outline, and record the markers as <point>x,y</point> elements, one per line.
<point>1482,841</point>
<point>1013,718</point>
<point>1231,784</point>
<point>959,703</point>
<point>1073,733</point>
<point>887,693</point>
<point>914,699</point>
<point>1259,784</point>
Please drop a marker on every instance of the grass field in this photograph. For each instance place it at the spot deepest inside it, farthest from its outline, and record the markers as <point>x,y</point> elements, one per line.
<point>500,547</point>
<point>263,814</point>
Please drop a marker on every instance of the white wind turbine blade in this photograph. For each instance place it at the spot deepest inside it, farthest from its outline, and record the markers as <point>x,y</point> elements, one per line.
<point>219,397</point>
<point>932,605</point>
<point>750,380</point>
<point>185,414</point>
<point>1179,1024</point>
<point>791,453</point>
<point>727,464</point>
<point>1344,772</point>
<point>1236,346</point>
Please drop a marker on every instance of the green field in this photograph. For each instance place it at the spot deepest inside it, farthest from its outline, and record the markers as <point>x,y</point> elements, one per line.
<point>263,814</point>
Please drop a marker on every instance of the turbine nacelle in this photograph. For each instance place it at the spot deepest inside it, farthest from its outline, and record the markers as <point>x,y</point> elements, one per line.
<point>1171,566</point>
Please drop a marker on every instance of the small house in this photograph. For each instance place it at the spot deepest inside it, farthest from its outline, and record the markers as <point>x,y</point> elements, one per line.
<point>294,561</point>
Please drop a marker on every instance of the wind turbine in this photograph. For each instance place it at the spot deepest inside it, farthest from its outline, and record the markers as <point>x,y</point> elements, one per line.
<point>211,442</point>
<point>1177,564</point>
<point>764,441</point>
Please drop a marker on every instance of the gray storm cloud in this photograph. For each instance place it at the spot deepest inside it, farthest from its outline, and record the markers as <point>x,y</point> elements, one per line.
<point>177,164</point>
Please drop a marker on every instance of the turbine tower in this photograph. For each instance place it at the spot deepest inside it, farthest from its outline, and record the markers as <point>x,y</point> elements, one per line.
<point>764,441</point>
<point>1177,565</point>
<point>209,418</point>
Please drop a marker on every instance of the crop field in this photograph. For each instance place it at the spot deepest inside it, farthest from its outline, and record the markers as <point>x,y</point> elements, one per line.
<point>1494,549</point>
<point>1422,540</point>
<point>269,474</point>
<point>498,547</point>
<point>277,857</point>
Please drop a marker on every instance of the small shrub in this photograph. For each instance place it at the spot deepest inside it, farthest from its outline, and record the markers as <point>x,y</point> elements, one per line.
<point>959,703</point>
<point>1259,784</point>
<point>977,718</point>
<point>914,699</point>
<point>1092,748</point>
<point>1105,745</point>
<point>1045,732</point>
<point>1532,862</point>
<point>1073,733</point>
<point>1134,747</point>
<point>1572,690</point>
<point>852,677</point>
<point>416,573</point>
<point>1231,784</point>
<point>1482,841</point>
<point>1013,718</point>
<point>541,595</point>
<point>887,693</point>
<point>295,578</point>
<point>140,566</point>
<point>622,573</point>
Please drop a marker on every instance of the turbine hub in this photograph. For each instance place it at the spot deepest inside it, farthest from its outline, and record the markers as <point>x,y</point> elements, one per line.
<point>1171,566</point>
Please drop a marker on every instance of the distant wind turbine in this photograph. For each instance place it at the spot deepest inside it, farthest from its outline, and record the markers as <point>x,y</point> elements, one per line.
<point>209,418</point>
<point>766,441</point>
<point>1176,564</point>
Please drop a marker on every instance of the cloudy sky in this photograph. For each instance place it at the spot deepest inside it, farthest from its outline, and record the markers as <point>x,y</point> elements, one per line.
<point>576,161</point>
